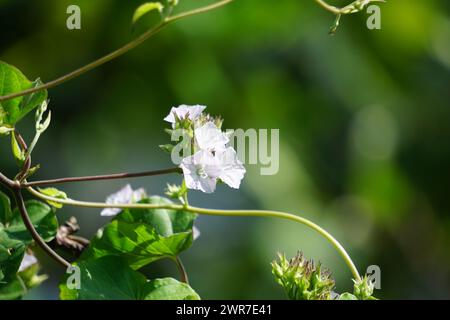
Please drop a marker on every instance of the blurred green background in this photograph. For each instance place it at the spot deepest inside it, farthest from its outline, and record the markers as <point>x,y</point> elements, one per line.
<point>363,116</point>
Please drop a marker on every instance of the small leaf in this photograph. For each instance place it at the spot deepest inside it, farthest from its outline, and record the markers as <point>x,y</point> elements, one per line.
<point>11,255</point>
<point>54,193</point>
<point>5,209</point>
<point>146,8</point>
<point>13,81</point>
<point>18,153</point>
<point>31,277</point>
<point>5,130</point>
<point>169,289</point>
<point>12,290</point>
<point>347,296</point>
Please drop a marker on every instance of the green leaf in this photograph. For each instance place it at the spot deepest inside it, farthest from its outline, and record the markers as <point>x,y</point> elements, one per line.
<point>138,243</point>
<point>5,209</point>
<point>166,222</point>
<point>13,81</point>
<point>23,281</point>
<point>347,296</point>
<point>110,278</point>
<point>146,8</point>
<point>169,289</point>
<point>55,193</point>
<point>13,290</point>
<point>142,236</point>
<point>18,153</point>
<point>14,239</point>
<point>11,255</point>
<point>43,218</point>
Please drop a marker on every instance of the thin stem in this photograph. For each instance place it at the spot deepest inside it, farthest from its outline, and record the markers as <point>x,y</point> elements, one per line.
<point>213,212</point>
<point>286,216</point>
<point>6,181</point>
<point>328,7</point>
<point>117,53</point>
<point>101,177</point>
<point>182,270</point>
<point>101,205</point>
<point>29,225</point>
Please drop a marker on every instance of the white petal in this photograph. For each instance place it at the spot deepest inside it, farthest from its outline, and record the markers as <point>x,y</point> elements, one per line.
<point>121,197</point>
<point>192,112</point>
<point>27,261</point>
<point>211,138</point>
<point>110,212</point>
<point>126,195</point>
<point>207,185</point>
<point>233,171</point>
<point>201,171</point>
<point>196,232</point>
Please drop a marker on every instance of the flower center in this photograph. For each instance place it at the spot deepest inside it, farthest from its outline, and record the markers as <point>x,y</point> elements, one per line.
<point>201,172</point>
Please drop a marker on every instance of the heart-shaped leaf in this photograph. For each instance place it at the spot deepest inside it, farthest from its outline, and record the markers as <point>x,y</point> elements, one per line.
<point>43,218</point>
<point>142,236</point>
<point>110,278</point>
<point>12,80</point>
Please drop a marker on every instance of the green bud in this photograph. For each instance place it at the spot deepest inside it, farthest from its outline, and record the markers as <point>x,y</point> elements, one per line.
<point>363,289</point>
<point>175,191</point>
<point>4,130</point>
<point>166,147</point>
<point>18,153</point>
<point>303,279</point>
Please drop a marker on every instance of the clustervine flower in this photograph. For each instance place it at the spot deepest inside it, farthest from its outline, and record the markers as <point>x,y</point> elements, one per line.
<point>184,112</point>
<point>213,160</point>
<point>363,289</point>
<point>126,195</point>
<point>27,261</point>
<point>302,279</point>
<point>201,171</point>
<point>233,170</point>
<point>210,138</point>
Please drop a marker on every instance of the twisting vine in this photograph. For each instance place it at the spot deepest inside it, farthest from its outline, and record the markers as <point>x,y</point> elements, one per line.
<point>212,161</point>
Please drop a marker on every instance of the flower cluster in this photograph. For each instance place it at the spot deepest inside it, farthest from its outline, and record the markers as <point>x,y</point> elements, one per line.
<point>302,279</point>
<point>213,159</point>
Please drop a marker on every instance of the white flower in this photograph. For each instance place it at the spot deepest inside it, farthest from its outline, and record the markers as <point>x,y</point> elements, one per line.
<point>183,112</point>
<point>201,171</point>
<point>27,261</point>
<point>209,137</point>
<point>196,232</point>
<point>232,170</point>
<point>124,196</point>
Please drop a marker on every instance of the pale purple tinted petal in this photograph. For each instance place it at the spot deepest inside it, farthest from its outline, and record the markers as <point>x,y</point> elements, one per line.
<point>209,137</point>
<point>196,233</point>
<point>233,170</point>
<point>27,261</point>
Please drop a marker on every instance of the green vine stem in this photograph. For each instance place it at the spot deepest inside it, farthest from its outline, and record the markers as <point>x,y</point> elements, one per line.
<point>29,225</point>
<point>114,176</point>
<point>214,212</point>
<point>148,34</point>
<point>117,53</point>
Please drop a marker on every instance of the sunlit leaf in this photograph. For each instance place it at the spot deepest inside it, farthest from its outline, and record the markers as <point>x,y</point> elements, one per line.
<point>146,8</point>
<point>110,278</point>
<point>54,193</point>
<point>12,80</point>
<point>43,218</point>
